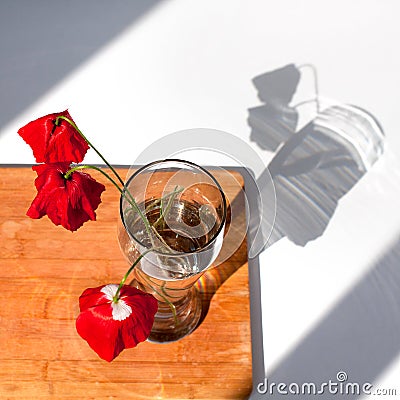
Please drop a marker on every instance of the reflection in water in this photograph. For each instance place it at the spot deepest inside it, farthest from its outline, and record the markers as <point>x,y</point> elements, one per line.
<point>316,165</point>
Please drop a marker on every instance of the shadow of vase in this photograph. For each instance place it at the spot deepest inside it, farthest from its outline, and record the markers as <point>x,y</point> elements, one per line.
<point>316,165</point>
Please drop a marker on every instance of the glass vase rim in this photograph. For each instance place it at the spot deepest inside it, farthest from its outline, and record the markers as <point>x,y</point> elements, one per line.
<point>191,164</point>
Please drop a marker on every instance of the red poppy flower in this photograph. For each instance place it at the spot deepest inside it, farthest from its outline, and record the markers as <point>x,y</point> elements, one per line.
<point>54,143</point>
<point>110,327</point>
<point>67,202</point>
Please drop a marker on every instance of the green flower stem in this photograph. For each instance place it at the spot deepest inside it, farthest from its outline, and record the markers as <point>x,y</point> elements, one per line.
<point>122,191</point>
<point>164,211</point>
<point>133,202</point>
<point>116,297</point>
<point>79,167</point>
<point>164,296</point>
<point>72,123</point>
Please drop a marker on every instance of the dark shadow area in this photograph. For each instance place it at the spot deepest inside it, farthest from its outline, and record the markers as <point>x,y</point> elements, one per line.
<point>360,335</point>
<point>314,166</point>
<point>42,41</point>
<point>275,121</point>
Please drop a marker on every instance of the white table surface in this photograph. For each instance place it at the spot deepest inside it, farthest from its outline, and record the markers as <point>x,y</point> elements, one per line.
<point>132,72</point>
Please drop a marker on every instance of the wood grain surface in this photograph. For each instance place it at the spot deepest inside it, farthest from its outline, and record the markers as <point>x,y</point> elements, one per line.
<point>45,268</point>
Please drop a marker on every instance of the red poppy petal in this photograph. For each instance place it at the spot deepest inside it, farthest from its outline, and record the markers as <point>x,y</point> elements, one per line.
<point>143,306</point>
<point>92,297</point>
<point>100,332</point>
<point>83,194</point>
<point>67,202</point>
<point>51,143</point>
<point>85,191</point>
<point>49,184</point>
<point>98,325</point>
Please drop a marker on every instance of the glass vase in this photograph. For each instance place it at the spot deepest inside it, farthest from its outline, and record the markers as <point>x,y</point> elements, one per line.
<point>173,216</point>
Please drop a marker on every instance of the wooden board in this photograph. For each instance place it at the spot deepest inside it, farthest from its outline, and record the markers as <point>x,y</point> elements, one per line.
<point>45,268</point>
